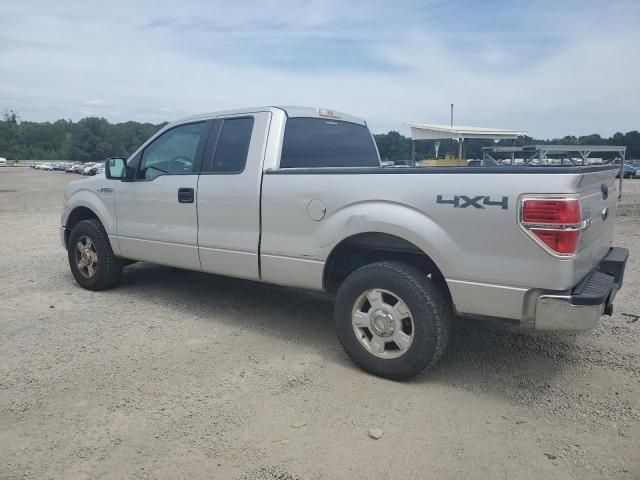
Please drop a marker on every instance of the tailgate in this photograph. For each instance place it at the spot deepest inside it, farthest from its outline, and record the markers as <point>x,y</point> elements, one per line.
<point>598,198</point>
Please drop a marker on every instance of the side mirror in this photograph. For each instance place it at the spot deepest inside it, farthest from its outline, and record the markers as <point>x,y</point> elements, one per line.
<point>115,168</point>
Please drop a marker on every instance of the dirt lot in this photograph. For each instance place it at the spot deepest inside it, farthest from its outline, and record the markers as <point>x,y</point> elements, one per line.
<point>182,375</point>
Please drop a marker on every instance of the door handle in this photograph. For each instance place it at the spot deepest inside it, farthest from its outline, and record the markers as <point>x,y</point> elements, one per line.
<point>185,195</point>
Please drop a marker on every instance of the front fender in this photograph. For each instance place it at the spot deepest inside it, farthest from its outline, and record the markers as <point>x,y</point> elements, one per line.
<point>89,199</point>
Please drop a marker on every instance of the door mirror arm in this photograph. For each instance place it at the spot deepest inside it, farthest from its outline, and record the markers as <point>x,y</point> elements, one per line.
<point>129,175</point>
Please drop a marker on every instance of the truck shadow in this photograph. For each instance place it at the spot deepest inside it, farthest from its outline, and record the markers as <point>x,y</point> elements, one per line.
<point>495,357</point>
<point>481,356</point>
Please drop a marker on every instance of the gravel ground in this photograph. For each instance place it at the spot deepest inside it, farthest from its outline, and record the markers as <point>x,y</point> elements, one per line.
<point>177,374</point>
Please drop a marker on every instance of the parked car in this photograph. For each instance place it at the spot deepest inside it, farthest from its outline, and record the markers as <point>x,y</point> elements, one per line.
<point>628,171</point>
<point>297,197</point>
<point>89,169</point>
<point>487,162</point>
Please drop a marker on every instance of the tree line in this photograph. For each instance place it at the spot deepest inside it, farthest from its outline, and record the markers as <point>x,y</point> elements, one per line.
<point>94,139</point>
<point>90,139</point>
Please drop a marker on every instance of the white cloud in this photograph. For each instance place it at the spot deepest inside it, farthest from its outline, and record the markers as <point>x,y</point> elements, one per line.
<point>97,102</point>
<point>575,74</point>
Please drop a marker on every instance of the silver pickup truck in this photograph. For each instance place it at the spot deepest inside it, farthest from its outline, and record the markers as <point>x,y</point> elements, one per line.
<point>297,197</point>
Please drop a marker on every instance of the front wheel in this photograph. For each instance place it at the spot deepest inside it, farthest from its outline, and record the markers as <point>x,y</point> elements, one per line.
<point>92,261</point>
<point>392,320</point>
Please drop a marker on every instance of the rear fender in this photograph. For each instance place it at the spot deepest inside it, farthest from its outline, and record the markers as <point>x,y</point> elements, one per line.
<point>384,217</point>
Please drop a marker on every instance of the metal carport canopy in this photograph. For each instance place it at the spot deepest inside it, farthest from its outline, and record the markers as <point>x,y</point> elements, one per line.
<point>421,131</point>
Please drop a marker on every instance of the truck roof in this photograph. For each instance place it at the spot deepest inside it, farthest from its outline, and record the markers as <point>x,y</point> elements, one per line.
<point>290,110</point>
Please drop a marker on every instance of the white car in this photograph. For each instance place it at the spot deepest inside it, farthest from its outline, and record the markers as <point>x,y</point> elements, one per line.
<point>87,168</point>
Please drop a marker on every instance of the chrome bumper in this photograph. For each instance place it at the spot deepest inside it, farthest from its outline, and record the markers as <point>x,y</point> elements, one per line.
<point>556,312</point>
<point>581,307</point>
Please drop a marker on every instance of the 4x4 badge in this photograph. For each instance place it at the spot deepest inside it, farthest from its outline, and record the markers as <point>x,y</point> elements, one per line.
<point>480,201</point>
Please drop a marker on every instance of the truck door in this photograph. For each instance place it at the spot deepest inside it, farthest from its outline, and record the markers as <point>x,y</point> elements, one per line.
<point>229,195</point>
<point>156,218</point>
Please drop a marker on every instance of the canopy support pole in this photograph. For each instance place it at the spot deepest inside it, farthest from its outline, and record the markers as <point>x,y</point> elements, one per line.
<point>413,153</point>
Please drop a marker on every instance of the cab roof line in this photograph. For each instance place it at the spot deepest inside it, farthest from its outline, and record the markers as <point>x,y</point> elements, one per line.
<point>290,111</point>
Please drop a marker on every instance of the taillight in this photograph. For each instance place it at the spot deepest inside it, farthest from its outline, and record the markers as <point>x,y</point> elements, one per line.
<point>551,211</point>
<point>553,222</point>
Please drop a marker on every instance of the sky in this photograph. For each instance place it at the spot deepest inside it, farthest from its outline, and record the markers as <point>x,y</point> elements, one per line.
<point>551,68</point>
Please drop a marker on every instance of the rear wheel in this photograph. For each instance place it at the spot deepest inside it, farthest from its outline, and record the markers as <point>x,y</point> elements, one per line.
<point>92,261</point>
<point>392,320</point>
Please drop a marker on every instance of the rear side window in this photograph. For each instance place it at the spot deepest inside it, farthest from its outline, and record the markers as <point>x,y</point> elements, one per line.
<point>316,142</point>
<point>233,145</point>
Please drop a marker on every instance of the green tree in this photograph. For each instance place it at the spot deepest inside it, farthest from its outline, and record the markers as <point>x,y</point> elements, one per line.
<point>67,145</point>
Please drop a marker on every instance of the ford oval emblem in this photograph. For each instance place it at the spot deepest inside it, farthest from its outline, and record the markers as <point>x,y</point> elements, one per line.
<point>605,191</point>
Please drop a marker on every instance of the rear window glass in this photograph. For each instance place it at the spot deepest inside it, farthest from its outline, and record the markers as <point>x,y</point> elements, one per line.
<point>317,142</point>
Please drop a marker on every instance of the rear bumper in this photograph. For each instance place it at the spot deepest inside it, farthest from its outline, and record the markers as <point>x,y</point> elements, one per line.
<point>581,307</point>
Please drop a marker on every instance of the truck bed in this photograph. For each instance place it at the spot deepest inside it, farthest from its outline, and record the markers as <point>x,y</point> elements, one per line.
<point>479,247</point>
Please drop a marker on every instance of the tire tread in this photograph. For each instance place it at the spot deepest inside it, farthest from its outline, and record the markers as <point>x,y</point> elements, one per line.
<point>110,266</point>
<point>429,294</point>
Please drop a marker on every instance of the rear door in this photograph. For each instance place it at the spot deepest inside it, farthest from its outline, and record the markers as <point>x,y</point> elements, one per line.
<point>229,195</point>
<point>598,199</point>
<point>156,216</point>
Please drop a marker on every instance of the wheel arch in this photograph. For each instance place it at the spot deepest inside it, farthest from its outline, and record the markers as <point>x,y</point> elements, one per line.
<point>365,248</point>
<point>77,215</point>
<point>84,207</point>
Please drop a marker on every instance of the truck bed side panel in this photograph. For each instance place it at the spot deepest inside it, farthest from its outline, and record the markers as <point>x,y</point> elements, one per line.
<point>475,238</point>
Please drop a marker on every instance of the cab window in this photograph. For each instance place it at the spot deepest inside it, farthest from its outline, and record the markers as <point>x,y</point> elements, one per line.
<point>172,153</point>
<point>232,146</point>
<point>317,142</point>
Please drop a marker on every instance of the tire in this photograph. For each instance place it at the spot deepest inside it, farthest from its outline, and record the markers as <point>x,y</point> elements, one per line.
<point>430,315</point>
<point>105,271</point>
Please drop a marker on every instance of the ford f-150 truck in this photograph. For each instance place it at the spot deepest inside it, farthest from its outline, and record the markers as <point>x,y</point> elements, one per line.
<point>297,197</point>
